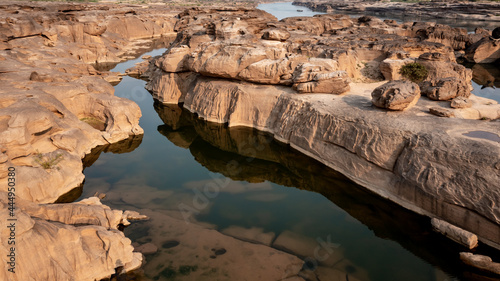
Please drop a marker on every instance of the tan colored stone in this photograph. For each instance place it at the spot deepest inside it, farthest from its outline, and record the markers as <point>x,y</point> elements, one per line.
<point>461,102</point>
<point>390,68</point>
<point>396,95</point>
<point>276,34</point>
<point>93,28</point>
<point>336,86</point>
<point>253,235</point>
<point>445,89</point>
<point>174,59</point>
<point>481,262</point>
<point>170,88</point>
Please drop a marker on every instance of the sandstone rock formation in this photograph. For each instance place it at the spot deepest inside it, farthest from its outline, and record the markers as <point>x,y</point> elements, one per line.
<point>396,95</point>
<point>421,164</point>
<point>54,108</point>
<point>56,105</point>
<point>62,241</point>
<point>484,13</point>
<point>486,50</point>
<point>314,55</point>
<point>482,262</point>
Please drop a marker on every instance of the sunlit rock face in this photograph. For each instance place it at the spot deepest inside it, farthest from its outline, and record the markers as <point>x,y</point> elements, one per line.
<point>420,161</point>
<point>54,108</point>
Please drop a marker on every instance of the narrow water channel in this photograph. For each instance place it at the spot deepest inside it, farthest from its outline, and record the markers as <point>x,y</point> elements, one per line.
<point>268,187</point>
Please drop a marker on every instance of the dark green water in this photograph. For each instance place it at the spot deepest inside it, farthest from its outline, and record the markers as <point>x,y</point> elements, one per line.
<point>267,185</point>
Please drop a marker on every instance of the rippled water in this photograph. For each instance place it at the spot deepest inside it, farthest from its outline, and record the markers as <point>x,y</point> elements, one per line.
<point>264,185</point>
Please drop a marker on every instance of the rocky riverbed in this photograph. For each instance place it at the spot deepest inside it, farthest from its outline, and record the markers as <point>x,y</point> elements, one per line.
<point>56,107</point>
<point>485,11</point>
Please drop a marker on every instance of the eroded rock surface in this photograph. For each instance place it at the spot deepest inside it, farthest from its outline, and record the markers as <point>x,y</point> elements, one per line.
<point>64,241</point>
<point>55,107</point>
<point>482,262</point>
<point>423,164</point>
<point>485,12</point>
<point>486,50</point>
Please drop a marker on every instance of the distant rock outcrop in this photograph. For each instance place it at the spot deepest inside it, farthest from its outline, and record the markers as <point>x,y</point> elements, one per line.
<point>486,50</point>
<point>396,95</point>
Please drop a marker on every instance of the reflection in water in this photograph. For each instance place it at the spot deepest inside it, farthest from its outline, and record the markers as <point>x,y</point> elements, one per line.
<point>485,80</point>
<point>124,146</point>
<point>261,159</point>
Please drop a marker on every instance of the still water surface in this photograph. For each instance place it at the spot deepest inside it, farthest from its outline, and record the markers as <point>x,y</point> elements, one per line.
<point>274,188</point>
<point>486,82</point>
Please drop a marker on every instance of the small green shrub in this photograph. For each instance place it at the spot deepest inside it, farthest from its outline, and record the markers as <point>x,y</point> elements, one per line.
<point>414,72</point>
<point>48,162</point>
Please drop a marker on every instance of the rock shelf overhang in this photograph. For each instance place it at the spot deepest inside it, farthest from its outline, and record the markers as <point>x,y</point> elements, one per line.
<point>232,66</point>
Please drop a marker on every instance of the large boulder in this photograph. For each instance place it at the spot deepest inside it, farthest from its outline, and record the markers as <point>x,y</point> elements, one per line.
<point>390,68</point>
<point>174,59</point>
<point>446,79</point>
<point>396,95</point>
